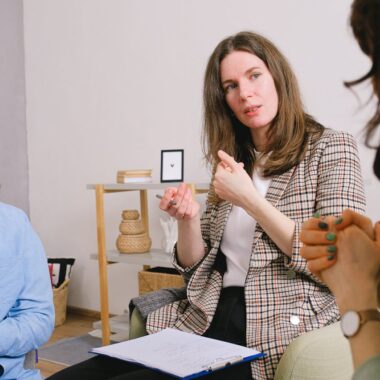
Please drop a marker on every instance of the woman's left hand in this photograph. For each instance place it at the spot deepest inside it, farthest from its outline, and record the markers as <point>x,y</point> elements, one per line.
<point>354,279</point>
<point>355,276</point>
<point>317,249</point>
<point>231,181</point>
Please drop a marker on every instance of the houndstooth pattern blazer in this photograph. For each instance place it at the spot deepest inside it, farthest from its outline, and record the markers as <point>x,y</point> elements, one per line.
<point>278,290</point>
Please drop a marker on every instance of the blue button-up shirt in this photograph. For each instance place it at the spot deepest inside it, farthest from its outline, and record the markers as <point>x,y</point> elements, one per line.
<point>26,306</point>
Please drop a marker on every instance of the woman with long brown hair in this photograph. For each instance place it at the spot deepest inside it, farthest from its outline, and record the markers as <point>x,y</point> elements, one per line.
<point>353,274</point>
<point>273,167</point>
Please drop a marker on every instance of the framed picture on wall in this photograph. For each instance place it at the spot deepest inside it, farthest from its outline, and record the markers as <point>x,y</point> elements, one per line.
<point>172,165</point>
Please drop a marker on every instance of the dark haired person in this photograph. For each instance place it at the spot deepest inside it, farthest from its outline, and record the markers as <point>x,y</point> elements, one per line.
<point>273,166</point>
<point>353,274</point>
<point>26,298</point>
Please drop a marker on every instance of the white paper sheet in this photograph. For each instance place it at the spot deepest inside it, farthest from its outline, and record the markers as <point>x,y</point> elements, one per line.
<point>178,353</point>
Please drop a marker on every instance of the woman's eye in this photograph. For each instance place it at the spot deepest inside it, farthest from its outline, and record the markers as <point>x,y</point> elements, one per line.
<point>255,75</point>
<point>229,87</point>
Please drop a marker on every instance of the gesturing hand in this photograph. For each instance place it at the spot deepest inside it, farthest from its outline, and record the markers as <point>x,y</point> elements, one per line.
<point>231,181</point>
<point>185,207</point>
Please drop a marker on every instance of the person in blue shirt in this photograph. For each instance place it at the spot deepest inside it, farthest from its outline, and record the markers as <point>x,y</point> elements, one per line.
<point>26,305</point>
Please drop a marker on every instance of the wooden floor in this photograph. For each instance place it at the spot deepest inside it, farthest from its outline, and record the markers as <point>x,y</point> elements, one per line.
<point>75,325</point>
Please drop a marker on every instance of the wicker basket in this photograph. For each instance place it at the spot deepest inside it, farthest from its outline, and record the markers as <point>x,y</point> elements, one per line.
<point>60,303</point>
<point>157,278</point>
<point>131,227</point>
<point>134,243</point>
<point>130,215</point>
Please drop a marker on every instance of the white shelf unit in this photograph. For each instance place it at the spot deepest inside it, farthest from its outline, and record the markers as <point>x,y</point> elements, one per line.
<point>104,257</point>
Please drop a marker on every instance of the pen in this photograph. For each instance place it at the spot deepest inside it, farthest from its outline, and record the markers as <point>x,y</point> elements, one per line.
<point>171,203</point>
<point>225,363</point>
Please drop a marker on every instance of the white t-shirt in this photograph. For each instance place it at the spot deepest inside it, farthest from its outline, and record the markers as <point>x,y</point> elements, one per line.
<point>238,236</point>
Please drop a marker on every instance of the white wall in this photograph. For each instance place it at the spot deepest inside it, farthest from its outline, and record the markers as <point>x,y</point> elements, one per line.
<point>112,82</point>
<point>13,149</point>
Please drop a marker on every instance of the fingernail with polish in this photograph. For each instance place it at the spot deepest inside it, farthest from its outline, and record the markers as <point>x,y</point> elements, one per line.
<point>338,220</point>
<point>316,215</point>
<point>323,225</point>
<point>330,236</point>
<point>331,249</point>
<point>331,256</point>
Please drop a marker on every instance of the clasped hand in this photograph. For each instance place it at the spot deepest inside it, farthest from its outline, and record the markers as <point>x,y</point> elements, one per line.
<point>345,253</point>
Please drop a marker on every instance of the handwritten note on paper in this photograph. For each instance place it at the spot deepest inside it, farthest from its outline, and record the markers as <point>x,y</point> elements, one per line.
<point>178,353</point>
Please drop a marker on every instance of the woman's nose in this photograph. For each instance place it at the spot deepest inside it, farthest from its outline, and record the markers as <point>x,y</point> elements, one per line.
<point>246,91</point>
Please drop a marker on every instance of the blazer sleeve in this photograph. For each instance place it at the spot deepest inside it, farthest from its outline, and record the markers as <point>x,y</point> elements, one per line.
<point>339,186</point>
<point>205,229</point>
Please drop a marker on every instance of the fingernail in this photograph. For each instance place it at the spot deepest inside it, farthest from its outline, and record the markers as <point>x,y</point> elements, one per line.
<point>316,215</point>
<point>323,225</point>
<point>339,220</point>
<point>330,236</point>
<point>331,249</point>
<point>331,257</point>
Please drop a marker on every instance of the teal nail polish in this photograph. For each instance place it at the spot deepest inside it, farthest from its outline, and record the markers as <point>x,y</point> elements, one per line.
<point>323,225</point>
<point>339,220</point>
<point>330,236</point>
<point>316,215</point>
<point>331,249</point>
<point>331,257</point>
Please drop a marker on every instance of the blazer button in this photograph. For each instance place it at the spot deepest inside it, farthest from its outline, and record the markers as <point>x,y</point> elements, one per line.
<point>290,274</point>
<point>294,320</point>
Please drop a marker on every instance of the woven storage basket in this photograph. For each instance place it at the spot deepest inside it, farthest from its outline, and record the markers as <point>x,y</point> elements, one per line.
<point>60,303</point>
<point>131,227</point>
<point>157,278</point>
<point>134,243</point>
<point>130,215</point>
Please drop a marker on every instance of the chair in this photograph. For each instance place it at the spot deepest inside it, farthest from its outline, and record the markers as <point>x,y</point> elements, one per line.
<point>317,355</point>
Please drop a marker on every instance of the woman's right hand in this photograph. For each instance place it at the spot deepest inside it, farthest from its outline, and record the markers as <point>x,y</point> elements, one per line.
<point>185,207</point>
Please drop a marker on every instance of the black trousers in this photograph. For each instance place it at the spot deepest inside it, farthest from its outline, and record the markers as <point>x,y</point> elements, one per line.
<point>229,324</point>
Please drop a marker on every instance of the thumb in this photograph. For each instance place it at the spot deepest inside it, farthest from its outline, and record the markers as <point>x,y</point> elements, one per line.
<point>351,217</point>
<point>377,232</point>
<point>227,159</point>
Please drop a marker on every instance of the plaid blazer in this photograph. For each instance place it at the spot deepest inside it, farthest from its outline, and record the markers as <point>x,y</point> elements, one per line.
<point>283,299</point>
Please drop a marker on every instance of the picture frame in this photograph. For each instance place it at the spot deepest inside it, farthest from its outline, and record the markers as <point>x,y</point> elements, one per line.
<point>172,165</point>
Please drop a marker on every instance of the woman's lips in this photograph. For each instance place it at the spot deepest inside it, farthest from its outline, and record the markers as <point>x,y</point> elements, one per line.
<point>251,110</point>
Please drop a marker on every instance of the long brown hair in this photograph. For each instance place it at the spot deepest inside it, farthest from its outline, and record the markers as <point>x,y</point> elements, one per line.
<point>288,131</point>
<point>365,23</point>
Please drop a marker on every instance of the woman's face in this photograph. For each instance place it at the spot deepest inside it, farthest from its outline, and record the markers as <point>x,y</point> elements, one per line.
<point>249,89</point>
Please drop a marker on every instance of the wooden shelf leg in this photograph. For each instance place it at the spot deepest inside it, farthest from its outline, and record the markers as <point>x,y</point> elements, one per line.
<point>102,259</point>
<point>144,209</point>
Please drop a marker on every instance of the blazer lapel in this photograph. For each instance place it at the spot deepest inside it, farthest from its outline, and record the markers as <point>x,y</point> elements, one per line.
<point>278,186</point>
<point>274,193</point>
<point>224,209</point>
